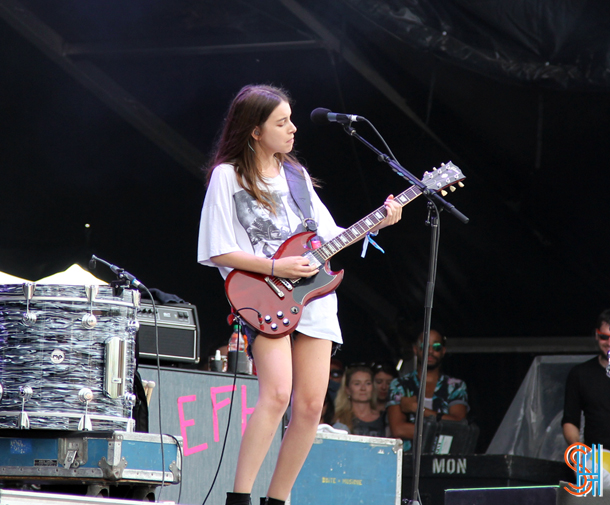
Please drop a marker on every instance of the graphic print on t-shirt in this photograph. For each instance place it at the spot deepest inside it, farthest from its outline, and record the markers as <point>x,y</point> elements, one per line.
<point>265,231</point>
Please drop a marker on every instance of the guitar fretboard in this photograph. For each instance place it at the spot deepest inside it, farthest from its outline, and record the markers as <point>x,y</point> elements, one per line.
<point>359,229</point>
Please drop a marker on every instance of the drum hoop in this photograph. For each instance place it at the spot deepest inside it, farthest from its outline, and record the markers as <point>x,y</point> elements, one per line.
<point>66,414</point>
<point>97,301</point>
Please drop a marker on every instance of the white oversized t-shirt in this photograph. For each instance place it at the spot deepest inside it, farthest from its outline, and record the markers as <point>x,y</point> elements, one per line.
<point>231,220</point>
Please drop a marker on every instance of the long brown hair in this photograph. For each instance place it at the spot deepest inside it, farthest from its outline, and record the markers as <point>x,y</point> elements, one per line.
<point>250,108</point>
<point>343,403</point>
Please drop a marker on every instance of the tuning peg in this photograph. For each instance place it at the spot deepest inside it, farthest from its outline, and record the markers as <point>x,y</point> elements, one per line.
<point>443,192</point>
<point>461,184</point>
<point>452,188</point>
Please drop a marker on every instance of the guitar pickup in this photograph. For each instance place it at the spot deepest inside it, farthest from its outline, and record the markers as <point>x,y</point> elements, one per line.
<point>272,285</point>
<point>312,259</point>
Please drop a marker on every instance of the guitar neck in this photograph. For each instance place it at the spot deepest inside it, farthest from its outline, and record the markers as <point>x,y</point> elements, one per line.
<point>359,229</point>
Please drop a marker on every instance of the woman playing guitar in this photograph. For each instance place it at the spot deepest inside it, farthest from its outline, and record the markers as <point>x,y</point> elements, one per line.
<point>247,213</point>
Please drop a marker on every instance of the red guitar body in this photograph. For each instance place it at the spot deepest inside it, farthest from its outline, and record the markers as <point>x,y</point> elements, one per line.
<point>279,302</point>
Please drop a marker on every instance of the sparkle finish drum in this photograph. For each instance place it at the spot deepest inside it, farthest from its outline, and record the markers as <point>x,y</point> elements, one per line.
<point>67,357</point>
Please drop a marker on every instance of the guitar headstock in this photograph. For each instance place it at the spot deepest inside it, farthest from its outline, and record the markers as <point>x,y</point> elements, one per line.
<point>446,176</point>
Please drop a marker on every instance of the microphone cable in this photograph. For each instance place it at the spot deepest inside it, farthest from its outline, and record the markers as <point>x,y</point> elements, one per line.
<point>224,443</point>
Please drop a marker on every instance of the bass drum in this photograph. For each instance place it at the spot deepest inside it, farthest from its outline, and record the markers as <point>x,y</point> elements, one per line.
<point>67,357</point>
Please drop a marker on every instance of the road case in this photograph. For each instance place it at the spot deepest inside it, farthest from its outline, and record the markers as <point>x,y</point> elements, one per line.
<point>118,457</point>
<point>346,469</point>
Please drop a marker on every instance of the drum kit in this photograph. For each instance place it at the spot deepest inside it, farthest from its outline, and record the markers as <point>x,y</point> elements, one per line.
<point>67,355</point>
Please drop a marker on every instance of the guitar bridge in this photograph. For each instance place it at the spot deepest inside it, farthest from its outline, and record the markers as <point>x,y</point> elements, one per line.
<point>285,282</point>
<point>276,290</point>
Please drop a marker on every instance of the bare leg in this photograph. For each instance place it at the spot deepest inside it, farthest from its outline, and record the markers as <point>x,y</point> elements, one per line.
<point>311,366</point>
<point>274,368</point>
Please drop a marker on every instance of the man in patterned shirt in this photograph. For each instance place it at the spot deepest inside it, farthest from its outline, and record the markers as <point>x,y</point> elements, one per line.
<point>446,398</point>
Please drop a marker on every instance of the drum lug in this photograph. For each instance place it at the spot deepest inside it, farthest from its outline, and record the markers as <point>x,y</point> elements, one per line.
<point>133,326</point>
<point>129,400</point>
<point>89,320</point>
<point>23,421</point>
<point>136,298</point>
<point>85,395</point>
<point>28,318</point>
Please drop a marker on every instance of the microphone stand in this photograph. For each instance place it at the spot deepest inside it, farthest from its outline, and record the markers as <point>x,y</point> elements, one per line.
<point>435,204</point>
<point>124,278</point>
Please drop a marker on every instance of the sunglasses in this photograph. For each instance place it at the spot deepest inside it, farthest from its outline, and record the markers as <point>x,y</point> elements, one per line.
<point>437,346</point>
<point>602,336</point>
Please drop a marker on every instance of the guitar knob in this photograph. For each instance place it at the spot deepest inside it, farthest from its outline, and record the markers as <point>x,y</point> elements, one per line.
<point>285,321</point>
<point>274,326</point>
<point>280,314</point>
<point>267,318</point>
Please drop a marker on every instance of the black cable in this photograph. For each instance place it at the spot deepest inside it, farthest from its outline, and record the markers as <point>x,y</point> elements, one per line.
<point>224,443</point>
<point>154,306</point>
<point>382,139</point>
<point>181,463</point>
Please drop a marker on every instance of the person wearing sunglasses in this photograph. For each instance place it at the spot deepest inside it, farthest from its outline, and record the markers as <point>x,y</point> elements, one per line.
<point>588,391</point>
<point>446,398</point>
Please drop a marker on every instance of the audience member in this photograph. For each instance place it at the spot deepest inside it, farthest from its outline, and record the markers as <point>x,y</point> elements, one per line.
<point>588,391</point>
<point>446,398</point>
<point>336,374</point>
<point>355,403</point>
<point>383,374</point>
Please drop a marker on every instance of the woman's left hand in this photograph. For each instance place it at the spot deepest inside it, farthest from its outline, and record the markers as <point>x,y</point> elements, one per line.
<point>394,213</point>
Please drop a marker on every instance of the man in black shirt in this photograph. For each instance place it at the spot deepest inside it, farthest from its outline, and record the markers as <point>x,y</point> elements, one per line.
<point>588,390</point>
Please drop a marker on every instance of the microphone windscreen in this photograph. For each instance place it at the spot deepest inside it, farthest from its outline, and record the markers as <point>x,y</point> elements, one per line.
<point>92,263</point>
<point>320,115</point>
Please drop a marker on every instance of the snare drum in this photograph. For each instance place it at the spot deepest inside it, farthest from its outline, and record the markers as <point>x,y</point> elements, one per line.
<point>67,357</point>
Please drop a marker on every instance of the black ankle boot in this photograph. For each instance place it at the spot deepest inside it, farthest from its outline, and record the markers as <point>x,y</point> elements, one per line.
<point>238,499</point>
<point>271,501</point>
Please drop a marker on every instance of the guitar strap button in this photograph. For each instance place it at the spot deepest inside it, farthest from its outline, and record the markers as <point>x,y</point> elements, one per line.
<point>309,224</point>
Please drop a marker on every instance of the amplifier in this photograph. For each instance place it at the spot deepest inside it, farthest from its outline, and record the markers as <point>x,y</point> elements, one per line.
<point>178,332</point>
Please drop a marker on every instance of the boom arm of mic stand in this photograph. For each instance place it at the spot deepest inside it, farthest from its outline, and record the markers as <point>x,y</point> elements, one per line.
<point>403,172</point>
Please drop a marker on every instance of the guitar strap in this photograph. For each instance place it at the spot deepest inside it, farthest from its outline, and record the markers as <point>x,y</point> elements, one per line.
<point>299,191</point>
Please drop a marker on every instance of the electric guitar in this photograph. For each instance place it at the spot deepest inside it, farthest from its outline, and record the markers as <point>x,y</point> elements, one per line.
<point>273,305</point>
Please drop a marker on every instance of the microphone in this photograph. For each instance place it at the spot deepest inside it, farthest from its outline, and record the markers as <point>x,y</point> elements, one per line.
<point>121,273</point>
<point>608,366</point>
<point>323,116</point>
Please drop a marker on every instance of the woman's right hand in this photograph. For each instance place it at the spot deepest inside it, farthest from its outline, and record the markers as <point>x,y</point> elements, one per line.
<point>290,267</point>
<point>293,267</point>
